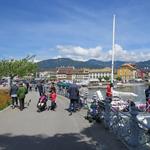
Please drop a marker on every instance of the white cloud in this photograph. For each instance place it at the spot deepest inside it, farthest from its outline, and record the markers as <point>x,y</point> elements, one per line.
<point>132,55</point>
<point>80,53</point>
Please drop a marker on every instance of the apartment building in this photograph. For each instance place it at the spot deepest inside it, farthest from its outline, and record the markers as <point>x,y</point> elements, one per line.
<point>127,72</point>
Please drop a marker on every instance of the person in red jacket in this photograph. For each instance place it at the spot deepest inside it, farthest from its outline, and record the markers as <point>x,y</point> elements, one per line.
<point>109,91</point>
<point>53,97</point>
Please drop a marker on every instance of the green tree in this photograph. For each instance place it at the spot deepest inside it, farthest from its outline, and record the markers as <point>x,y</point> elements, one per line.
<point>107,78</point>
<point>12,68</point>
<point>100,78</point>
<point>118,78</point>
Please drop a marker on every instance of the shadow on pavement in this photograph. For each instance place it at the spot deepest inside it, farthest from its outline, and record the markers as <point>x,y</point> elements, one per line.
<point>39,142</point>
<point>105,140</point>
<point>100,139</point>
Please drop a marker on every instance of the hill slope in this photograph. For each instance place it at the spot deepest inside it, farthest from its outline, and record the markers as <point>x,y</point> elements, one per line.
<point>53,63</point>
<point>92,63</point>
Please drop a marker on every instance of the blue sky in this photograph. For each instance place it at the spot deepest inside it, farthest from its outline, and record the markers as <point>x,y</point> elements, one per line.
<point>77,29</point>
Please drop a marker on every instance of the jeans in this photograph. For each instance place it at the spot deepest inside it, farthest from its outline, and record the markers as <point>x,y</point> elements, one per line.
<point>14,100</point>
<point>73,105</point>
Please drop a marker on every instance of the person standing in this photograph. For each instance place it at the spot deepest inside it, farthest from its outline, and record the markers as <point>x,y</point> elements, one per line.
<point>22,91</point>
<point>13,94</point>
<point>147,95</point>
<point>53,87</point>
<point>73,91</point>
<point>27,85</point>
<point>109,92</point>
<point>40,88</point>
<point>53,97</point>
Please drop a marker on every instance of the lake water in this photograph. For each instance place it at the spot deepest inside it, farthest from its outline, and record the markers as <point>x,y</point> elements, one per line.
<point>137,89</point>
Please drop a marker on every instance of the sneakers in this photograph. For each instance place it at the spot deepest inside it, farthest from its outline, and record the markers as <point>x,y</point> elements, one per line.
<point>13,107</point>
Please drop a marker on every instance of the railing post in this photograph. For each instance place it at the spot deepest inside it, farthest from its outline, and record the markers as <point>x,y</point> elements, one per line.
<point>134,128</point>
<point>107,112</point>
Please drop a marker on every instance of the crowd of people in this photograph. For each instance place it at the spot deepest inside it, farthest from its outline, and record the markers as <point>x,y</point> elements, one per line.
<point>18,91</point>
<point>47,92</point>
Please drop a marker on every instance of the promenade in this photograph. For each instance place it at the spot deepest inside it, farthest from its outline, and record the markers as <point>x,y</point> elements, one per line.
<point>52,130</point>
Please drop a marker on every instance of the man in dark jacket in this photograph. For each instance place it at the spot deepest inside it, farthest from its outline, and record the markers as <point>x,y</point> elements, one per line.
<point>13,94</point>
<point>73,91</point>
<point>147,95</point>
<point>40,88</point>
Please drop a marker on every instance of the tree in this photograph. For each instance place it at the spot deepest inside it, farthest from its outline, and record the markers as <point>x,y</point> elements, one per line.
<point>118,78</point>
<point>107,78</point>
<point>100,78</point>
<point>12,68</point>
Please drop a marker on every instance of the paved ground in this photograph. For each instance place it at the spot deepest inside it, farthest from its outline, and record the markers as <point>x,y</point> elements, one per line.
<point>30,130</point>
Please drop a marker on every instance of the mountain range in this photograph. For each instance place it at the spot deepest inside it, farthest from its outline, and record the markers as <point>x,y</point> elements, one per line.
<point>92,63</point>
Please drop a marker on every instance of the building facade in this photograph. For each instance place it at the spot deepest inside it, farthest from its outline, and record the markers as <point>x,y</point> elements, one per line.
<point>64,73</point>
<point>99,73</point>
<point>127,72</point>
<point>80,75</point>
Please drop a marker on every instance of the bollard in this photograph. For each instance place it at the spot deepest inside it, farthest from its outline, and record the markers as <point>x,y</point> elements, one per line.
<point>107,112</point>
<point>134,128</point>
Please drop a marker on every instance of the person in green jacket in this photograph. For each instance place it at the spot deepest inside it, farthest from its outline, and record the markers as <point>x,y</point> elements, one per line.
<point>21,93</point>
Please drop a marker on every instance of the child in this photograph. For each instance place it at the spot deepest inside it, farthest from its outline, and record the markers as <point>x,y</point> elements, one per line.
<point>53,99</point>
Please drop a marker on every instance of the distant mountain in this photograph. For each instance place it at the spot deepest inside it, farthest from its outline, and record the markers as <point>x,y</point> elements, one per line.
<point>143,64</point>
<point>92,63</point>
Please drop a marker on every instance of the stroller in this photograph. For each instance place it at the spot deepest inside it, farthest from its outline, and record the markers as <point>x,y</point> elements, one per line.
<point>42,103</point>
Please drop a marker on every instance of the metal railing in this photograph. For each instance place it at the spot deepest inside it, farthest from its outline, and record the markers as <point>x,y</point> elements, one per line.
<point>134,133</point>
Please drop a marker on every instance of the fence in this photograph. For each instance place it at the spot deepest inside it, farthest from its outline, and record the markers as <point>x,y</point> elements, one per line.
<point>127,126</point>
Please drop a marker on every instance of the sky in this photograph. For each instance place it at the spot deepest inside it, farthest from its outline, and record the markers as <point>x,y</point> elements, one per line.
<point>76,29</point>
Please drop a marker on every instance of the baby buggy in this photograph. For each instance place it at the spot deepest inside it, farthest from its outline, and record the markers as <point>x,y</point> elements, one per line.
<point>42,103</point>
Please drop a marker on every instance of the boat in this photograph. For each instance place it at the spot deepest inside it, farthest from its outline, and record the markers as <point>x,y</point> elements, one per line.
<point>94,84</point>
<point>90,83</point>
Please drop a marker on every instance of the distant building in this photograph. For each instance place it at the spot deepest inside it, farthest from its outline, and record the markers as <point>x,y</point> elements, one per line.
<point>80,75</point>
<point>51,74</point>
<point>141,73</point>
<point>127,72</point>
<point>99,73</point>
<point>43,74</point>
<point>70,73</point>
<point>146,71</point>
<point>64,73</point>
